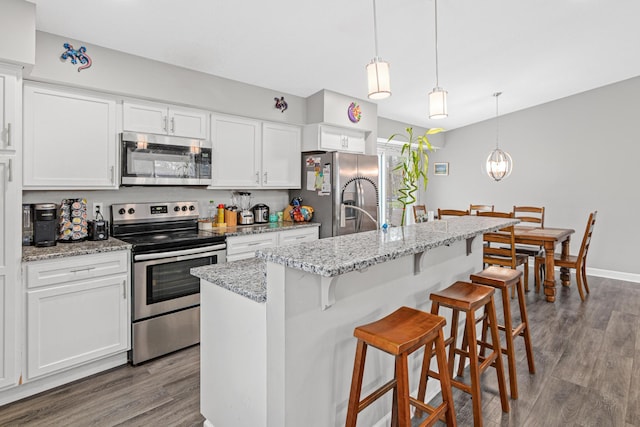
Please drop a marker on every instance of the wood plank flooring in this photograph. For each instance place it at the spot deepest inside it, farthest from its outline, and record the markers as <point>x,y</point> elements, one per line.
<point>587,359</point>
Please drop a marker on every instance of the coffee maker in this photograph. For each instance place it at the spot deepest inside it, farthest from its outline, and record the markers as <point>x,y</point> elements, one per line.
<point>44,224</point>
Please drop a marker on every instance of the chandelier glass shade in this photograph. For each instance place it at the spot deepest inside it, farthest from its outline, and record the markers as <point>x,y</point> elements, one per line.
<point>499,163</point>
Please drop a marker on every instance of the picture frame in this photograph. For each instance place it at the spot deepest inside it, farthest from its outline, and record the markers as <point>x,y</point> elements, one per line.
<point>441,168</point>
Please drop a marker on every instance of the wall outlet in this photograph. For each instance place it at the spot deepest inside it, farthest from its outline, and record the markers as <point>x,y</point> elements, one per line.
<point>98,207</point>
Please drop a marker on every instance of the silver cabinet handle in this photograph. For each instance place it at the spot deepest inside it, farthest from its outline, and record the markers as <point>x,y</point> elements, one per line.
<point>113,175</point>
<point>265,178</point>
<point>257,177</point>
<point>82,269</point>
<point>173,125</point>
<point>10,170</point>
<point>124,289</point>
<point>8,134</point>
<point>164,126</point>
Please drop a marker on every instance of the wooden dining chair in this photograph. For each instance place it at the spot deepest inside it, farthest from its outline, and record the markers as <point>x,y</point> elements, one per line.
<point>451,212</point>
<point>530,216</point>
<point>500,248</point>
<point>474,209</point>
<point>577,262</point>
<point>419,213</point>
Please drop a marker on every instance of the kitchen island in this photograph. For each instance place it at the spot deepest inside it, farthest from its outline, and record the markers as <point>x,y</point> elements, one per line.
<point>277,342</point>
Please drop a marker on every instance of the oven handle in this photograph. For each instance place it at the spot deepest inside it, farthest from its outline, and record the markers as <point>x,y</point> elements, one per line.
<point>204,251</point>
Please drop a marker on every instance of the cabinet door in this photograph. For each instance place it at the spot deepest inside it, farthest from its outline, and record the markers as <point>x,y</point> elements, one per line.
<point>70,140</point>
<point>8,108</point>
<point>9,262</point>
<point>76,323</point>
<point>236,148</point>
<point>146,118</point>
<point>354,142</point>
<point>188,123</point>
<point>289,237</point>
<point>280,156</point>
<point>331,139</point>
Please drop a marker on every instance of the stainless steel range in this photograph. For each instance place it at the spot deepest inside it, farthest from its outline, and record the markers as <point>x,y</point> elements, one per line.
<point>166,244</point>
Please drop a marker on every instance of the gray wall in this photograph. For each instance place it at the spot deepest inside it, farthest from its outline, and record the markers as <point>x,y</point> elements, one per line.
<point>120,73</point>
<point>573,155</point>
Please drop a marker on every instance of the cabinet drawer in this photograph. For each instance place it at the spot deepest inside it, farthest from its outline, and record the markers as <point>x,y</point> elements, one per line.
<point>63,270</point>
<point>249,244</point>
<point>297,236</point>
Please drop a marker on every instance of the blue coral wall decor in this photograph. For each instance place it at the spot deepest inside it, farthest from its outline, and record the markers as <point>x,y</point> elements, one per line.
<point>76,56</point>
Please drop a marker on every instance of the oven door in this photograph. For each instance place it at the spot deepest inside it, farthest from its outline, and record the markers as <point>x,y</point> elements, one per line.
<point>162,281</point>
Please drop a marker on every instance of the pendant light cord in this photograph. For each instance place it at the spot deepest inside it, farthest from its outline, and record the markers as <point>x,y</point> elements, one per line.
<point>497,120</point>
<point>375,29</point>
<point>436,28</point>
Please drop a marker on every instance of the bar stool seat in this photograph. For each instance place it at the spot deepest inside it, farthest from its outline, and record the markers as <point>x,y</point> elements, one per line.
<point>506,279</point>
<point>400,334</point>
<point>468,298</point>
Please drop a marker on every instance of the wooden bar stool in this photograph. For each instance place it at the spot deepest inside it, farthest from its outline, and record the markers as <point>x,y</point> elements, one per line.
<point>506,279</point>
<point>468,298</point>
<point>400,334</point>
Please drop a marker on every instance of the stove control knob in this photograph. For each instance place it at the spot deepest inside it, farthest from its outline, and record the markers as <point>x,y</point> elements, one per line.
<point>121,211</point>
<point>192,208</point>
<point>184,209</point>
<point>176,209</point>
<point>131,211</point>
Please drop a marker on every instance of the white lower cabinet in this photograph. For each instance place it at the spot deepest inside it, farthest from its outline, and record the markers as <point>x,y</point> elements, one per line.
<point>77,311</point>
<point>244,247</point>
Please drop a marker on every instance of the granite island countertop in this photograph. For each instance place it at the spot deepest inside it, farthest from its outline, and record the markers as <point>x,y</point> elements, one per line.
<point>338,255</point>
<point>61,250</point>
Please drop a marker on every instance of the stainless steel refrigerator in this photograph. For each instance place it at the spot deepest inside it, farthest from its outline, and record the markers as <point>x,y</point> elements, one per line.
<point>342,188</point>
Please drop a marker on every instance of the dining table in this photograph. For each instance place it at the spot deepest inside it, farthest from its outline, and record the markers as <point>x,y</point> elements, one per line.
<point>548,238</point>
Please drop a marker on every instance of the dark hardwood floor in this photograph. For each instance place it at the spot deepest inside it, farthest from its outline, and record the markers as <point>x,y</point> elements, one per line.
<point>587,359</point>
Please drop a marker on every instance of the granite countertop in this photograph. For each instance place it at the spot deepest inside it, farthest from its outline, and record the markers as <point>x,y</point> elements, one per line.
<point>339,255</point>
<point>246,277</point>
<point>243,230</point>
<point>61,250</point>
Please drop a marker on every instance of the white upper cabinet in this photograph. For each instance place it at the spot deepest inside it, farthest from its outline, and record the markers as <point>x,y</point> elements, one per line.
<point>165,120</point>
<point>252,154</point>
<point>236,148</point>
<point>70,139</point>
<point>8,88</point>
<point>332,138</point>
<point>281,156</point>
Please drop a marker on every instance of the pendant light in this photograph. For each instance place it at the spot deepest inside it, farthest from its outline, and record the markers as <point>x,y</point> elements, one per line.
<point>499,163</point>
<point>378,76</point>
<point>438,96</point>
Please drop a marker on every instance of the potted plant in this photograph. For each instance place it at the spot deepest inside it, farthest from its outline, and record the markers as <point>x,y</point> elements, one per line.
<point>414,166</point>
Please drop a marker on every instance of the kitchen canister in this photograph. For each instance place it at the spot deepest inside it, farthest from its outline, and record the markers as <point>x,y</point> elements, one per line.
<point>72,221</point>
<point>273,217</point>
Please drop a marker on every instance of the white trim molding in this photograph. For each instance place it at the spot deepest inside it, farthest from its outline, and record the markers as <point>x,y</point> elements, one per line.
<point>610,274</point>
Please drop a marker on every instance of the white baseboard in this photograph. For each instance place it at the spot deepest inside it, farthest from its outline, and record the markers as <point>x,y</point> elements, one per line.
<point>610,274</point>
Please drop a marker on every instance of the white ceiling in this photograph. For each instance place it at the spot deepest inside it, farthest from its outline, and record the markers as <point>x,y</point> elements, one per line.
<point>534,51</point>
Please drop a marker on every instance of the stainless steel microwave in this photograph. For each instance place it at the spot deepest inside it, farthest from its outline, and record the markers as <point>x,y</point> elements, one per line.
<point>149,159</point>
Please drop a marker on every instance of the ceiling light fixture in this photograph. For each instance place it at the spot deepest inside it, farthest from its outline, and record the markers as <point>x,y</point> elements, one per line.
<point>438,96</point>
<point>499,163</point>
<point>378,76</point>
